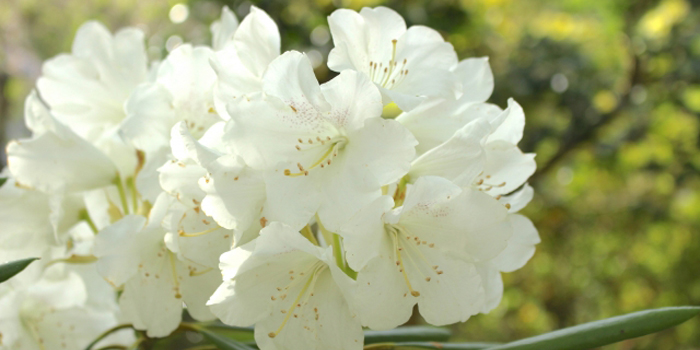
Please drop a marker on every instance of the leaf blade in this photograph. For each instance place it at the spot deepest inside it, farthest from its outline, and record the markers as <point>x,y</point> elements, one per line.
<point>10,269</point>
<point>408,334</point>
<point>608,331</point>
<point>222,342</point>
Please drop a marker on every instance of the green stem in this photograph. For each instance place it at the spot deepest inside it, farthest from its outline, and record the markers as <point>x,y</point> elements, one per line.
<point>106,333</point>
<point>86,217</point>
<point>306,232</point>
<point>131,184</point>
<point>338,252</point>
<point>122,194</point>
<point>336,241</point>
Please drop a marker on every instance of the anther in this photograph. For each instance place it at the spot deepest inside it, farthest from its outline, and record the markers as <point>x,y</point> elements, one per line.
<point>507,205</point>
<point>298,148</point>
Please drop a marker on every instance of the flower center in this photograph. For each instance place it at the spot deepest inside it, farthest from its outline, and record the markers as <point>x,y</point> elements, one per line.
<point>391,74</point>
<point>330,147</point>
<point>407,252</point>
<point>302,298</point>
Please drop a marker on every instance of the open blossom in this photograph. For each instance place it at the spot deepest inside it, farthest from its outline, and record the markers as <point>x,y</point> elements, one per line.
<point>133,252</point>
<point>326,147</point>
<point>56,309</point>
<point>241,59</point>
<point>290,289</point>
<point>424,252</point>
<point>407,65</point>
<point>86,89</point>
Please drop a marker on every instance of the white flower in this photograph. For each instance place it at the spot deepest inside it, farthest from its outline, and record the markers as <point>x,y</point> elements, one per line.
<point>56,159</point>
<point>182,91</point>
<point>57,308</point>
<point>326,148</point>
<point>242,60</point>
<point>133,253</point>
<point>490,134</point>
<point>424,252</point>
<point>406,64</point>
<point>87,88</point>
<point>203,177</point>
<point>520,248</point>
<point>290,289</point>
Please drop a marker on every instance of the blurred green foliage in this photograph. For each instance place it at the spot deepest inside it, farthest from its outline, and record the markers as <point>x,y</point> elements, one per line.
<point>611,91</point>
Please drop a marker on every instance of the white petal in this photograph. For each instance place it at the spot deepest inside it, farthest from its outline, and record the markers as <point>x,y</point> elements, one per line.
<point>354,99</point>
<point>257,41</point>
<point>184,146</point>
<point>60,290</point>
<point>459,159</point>
<point>292,200</point>
<point>222,30</point>
<point>180,179</point>
<point>150,303</point>
<point>197,285</point>
<point>493,286</point>
<point>436,120</point>
<point>382,299</point>
<point>507,168</point>
<point>437,212</point>
<point>519,199</point>
<point>476,78</point>
<point>73,163</point>
<point>198,238</point>
<point>350,51</point>
<point>428,58</point>
<point>234,193</point>
<point>290,77</point>
<point>118,249</point>
<point>323,322</point>
<point>26,229</point>
<point>364,233</point>
<point>86,90</point>
<point>251,294</point>
<point>375,168</point>
<point>451,296</point>
<point>511,128</point>
<point>521,246</point>
<point>150,114</point>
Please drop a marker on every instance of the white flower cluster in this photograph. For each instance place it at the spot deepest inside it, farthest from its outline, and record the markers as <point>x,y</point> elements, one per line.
<point>322,216</point>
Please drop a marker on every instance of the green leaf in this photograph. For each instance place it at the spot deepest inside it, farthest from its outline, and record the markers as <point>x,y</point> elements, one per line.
<point>12,268</point>
<point>403,334</point>
<point>2,181</point>
<point>608,331</point>
<point>222,342</point>
<point>429,345</point>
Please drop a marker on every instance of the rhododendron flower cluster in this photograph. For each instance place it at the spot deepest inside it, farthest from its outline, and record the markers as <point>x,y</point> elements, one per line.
<point>226,180</point>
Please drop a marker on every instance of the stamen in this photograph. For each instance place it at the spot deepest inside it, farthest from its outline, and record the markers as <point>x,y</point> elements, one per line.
<point>402,269</point>
<point>182,232</point>
<point>332,151</point>
<point>310,282</point>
